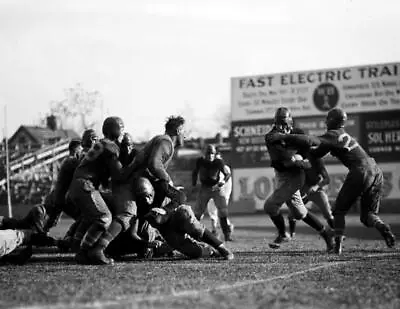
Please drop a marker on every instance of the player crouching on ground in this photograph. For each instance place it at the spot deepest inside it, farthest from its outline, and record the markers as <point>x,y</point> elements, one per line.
<point>180,228</point>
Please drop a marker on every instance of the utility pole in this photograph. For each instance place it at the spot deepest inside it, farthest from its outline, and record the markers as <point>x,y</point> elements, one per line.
<point>7,164</point>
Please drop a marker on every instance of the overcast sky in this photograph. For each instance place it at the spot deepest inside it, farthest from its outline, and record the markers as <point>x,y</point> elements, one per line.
<point>150,59</point>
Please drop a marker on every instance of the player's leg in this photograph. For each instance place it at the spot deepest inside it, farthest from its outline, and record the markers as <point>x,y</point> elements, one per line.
<point>287,185</point>
<point>97,214</point>
<point>65,243</point>
<point>227,192</point>
<point>124,243</point>
<point>213,214</point>
<point>320,198</point>
<point>222,206</point>
<point>185,218</point>
<point>370,203</point>
<point>123,208</point>
<point>204,196</point>
<point>292,224</point>
<point>11,239</point>
<point>300,212</point>
<point>351,189</point>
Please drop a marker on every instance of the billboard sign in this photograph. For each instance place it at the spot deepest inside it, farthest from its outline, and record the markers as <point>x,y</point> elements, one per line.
<point>310,93</point>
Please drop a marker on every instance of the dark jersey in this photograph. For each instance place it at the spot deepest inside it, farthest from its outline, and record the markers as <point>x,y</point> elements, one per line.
<point>342,146</point>
<point>209,171</point>
<point>317,170</point>
<point>278,151</point>
<point>95,164</point>
<point>155,157</point>
<point>281,151</point>
<point>64,178</point>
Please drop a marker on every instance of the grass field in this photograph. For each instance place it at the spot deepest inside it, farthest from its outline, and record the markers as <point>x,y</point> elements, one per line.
<point>299,275</point>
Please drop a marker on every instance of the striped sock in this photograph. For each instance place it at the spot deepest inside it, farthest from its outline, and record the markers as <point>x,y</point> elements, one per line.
<point>110,234</point>
<point>92,236</point>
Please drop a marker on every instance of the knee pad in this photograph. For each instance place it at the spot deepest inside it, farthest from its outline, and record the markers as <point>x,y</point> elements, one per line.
<point>104,221</point>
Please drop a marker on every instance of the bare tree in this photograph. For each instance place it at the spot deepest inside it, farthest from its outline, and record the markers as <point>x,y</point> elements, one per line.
<point>80,109</point>
<point>223,118</point>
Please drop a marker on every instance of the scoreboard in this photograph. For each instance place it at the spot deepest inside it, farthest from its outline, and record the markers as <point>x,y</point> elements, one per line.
<point>369,94</point>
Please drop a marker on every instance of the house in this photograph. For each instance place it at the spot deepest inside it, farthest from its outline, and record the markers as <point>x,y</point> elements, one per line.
<point>31,138</point>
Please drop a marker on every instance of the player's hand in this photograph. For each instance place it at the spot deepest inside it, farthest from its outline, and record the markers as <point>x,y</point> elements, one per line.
<point>306,164</point>
<point>313,189</point>
<point>154,244</point>
<point>221,183</point>
<point>272,138</point>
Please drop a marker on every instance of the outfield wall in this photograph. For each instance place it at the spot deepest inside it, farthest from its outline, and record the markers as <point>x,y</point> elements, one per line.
<point>369,94</point>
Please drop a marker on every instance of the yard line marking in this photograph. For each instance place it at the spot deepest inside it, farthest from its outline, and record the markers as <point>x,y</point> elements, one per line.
<point>120,301</point>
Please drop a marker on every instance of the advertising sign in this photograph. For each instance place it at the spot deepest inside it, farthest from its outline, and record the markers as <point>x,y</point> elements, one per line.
<point>257,184</point>
<point>309,93</point>
<point>248,144</point>
<point>381,135</point>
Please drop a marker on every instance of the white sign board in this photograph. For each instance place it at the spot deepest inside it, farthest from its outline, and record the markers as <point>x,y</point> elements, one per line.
<point>257,184</point>
<point>309,93</point>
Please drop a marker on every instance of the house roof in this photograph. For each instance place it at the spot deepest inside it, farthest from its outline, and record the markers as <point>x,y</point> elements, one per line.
<point>41,134</point>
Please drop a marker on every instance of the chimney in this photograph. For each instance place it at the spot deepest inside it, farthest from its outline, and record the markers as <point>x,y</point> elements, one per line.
<point>51,122</point>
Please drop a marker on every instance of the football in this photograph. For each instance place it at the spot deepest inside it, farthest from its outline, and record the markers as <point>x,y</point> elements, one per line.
<point>297,157</point>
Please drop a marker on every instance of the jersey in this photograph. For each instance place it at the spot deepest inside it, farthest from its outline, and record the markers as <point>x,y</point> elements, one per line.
<point>65,175</point>
<point>95,164</point>
<point>344,147</point>
<point>279,152</point>
<point>209,171</point>
<point>155,157</point>
<point>317,170</point>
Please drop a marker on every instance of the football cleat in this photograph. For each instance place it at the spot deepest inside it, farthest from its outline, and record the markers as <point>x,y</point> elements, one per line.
<point>225,253</point>
<point>338,249</point>
<point>292,227</point>
<point>281,238</point>
<point>388,236</point>
<point>327,235</point>
<point>228,234</point>
<point>96,256</point>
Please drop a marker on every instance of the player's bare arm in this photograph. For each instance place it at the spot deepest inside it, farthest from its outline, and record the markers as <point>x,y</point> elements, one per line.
<point>158,160</point>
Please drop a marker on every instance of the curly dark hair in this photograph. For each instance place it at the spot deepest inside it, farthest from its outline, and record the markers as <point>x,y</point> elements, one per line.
<point>173,123</point>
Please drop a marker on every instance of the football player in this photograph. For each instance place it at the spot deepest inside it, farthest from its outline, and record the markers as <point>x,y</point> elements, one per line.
<point>99,164</point>
<point>46,215</point>
<point>179,227</point>
<point>208,169</point>
<point>289,173</point>
<point>13,239</point>
<point>150,162</point>
<point>316,180</point>
<point>364,179</point>
<point>212,209</point>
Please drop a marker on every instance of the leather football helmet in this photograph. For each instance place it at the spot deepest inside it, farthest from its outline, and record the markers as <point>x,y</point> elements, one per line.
<point>336,118</point>
<point>283,119</point>
<point>113,128</point>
